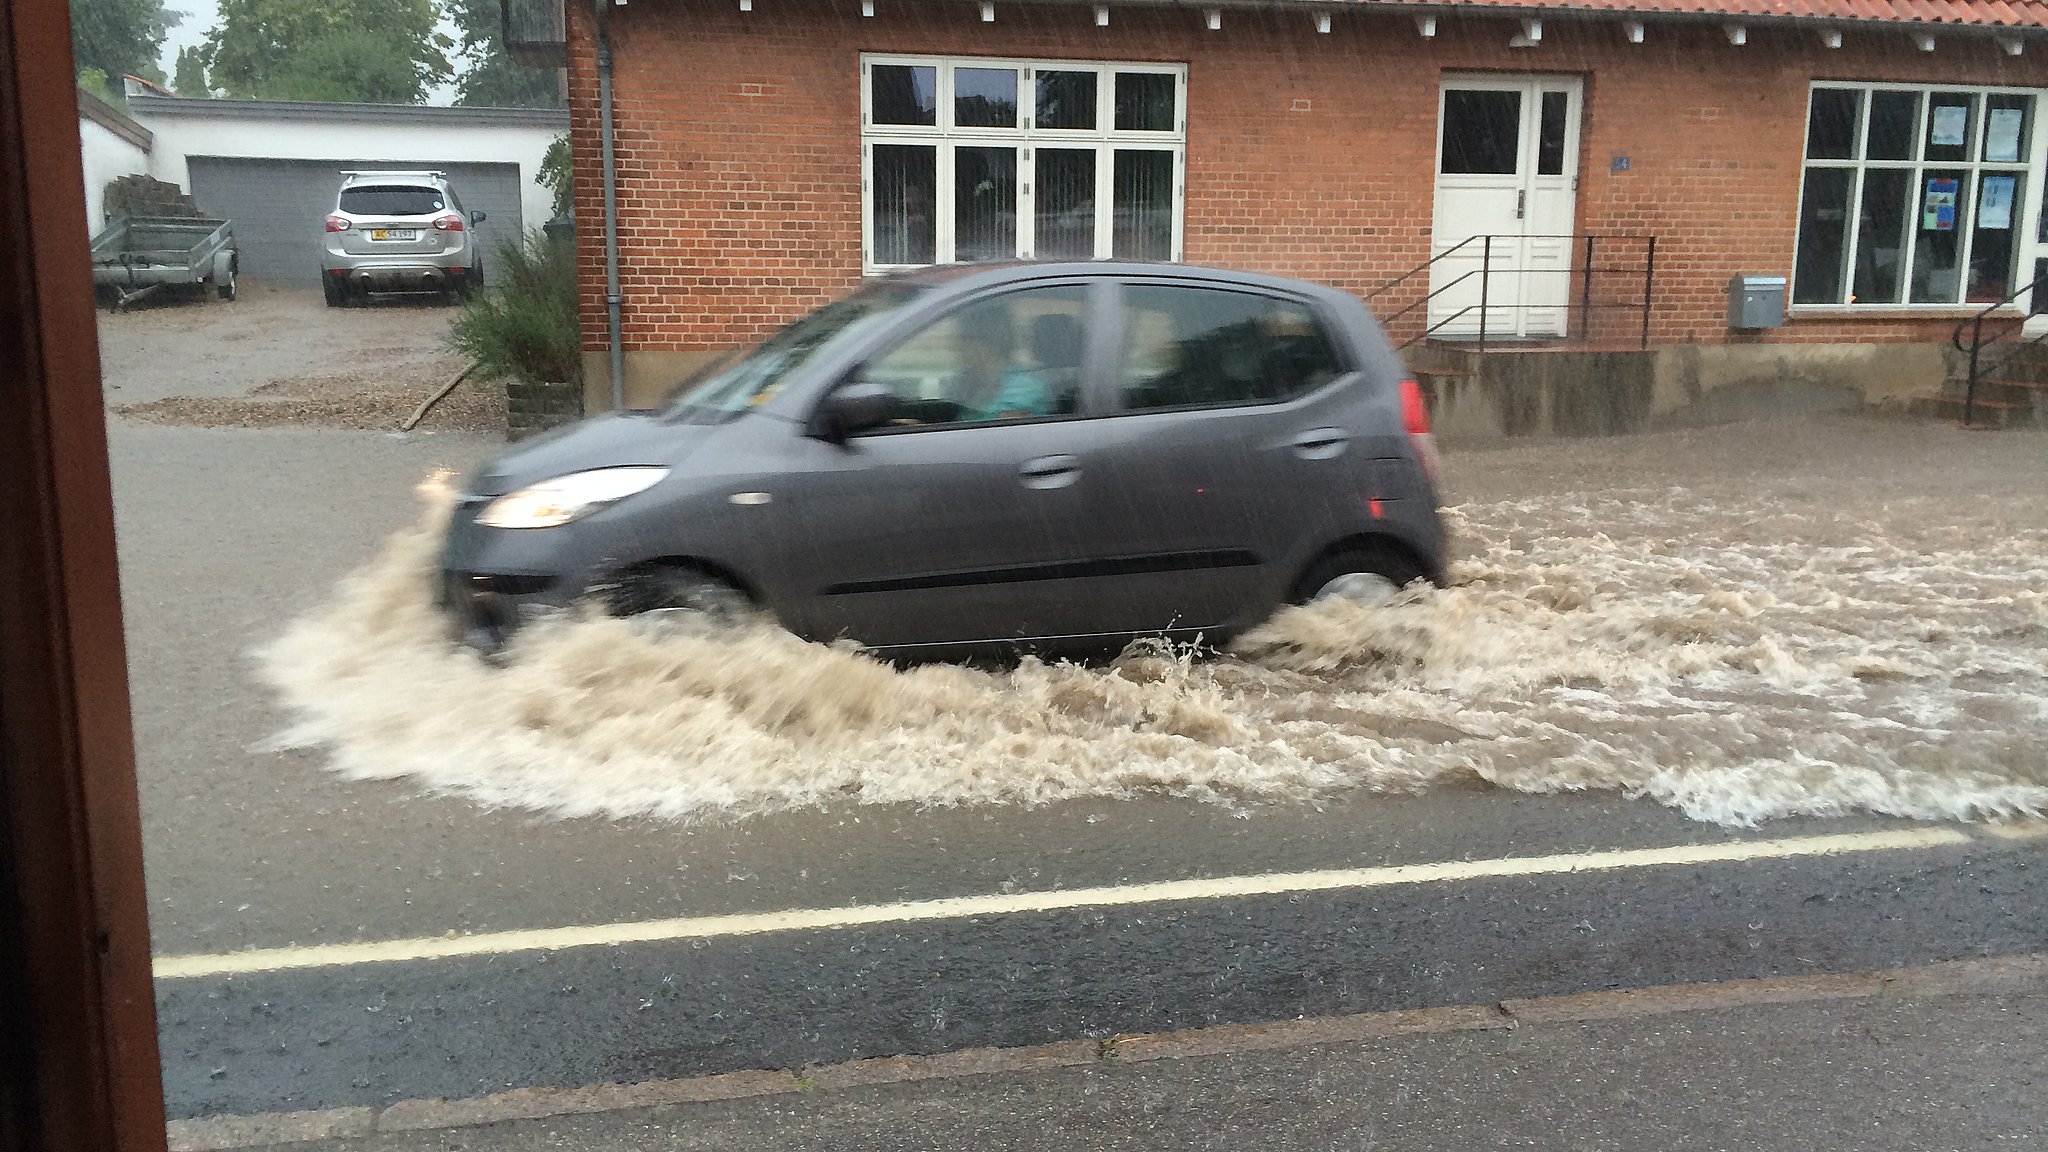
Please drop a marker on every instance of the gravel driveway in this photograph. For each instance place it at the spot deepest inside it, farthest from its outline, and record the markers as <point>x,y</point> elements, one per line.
<point>279,356</point>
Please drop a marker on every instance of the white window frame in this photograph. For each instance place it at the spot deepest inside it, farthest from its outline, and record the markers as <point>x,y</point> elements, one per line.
<point>1104,139</point>
<point>2026,220</point>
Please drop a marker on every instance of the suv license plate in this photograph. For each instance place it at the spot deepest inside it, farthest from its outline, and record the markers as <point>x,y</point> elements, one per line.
<point>394,233</point>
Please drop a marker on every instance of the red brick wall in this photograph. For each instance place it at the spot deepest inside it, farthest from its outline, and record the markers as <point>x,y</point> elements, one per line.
<point>1308,155</point>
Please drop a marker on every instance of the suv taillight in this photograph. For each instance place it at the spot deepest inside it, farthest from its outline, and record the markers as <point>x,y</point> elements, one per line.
<point>1415,421</point>
<point>338,224</point>
<point>448,223</point>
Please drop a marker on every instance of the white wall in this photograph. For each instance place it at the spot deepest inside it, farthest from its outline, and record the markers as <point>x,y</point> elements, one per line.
<point>400,136</point>
<point>104,156</point>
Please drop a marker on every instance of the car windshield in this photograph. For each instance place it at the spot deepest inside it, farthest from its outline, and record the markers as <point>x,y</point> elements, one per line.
<point>391,200</point>
<point>746,377</point>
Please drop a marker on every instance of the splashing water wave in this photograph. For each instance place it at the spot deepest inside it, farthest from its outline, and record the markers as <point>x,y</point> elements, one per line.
<point>1785,665</point>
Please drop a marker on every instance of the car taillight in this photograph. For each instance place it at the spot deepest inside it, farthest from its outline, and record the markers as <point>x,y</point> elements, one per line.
<point>449,223</point>
<point>338,224</point>
<point>1414,409</point>
<point>1415,420</point>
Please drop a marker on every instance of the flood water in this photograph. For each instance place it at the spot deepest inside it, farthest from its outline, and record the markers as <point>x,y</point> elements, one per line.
<point>1832,615</point>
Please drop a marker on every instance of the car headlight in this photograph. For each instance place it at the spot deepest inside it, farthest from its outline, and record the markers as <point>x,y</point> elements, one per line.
<point>551,503</point>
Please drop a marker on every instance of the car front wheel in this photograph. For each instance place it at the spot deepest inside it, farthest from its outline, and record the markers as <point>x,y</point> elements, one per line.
<point>659,591</point>
<point>1370,574</point>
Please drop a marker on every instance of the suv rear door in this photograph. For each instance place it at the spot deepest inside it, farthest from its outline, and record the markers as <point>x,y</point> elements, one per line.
<point>392,218</point>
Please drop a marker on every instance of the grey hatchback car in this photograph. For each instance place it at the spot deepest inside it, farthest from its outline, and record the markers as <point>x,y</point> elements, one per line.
<point>1050,457</point>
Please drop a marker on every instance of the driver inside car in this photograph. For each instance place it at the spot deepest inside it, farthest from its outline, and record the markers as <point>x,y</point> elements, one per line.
<point>989,383</point>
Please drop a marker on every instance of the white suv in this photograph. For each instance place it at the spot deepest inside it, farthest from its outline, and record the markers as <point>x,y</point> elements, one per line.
<point>399,232</point>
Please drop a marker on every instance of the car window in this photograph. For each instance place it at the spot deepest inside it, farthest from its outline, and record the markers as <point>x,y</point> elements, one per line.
<point>1016,356</point>
<point>391,200</point>
<point>1209,347</point>
<point>744,378</point>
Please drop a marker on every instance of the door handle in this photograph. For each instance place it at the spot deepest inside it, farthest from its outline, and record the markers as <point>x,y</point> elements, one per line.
<point>1050,471</point>
<point>1321,443</point>
<point>1521,201</point>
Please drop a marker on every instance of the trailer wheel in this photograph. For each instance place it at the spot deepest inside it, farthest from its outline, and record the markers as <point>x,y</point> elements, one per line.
<point>226,285</point>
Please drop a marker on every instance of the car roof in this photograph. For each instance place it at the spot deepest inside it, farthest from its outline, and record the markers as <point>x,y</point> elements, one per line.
<point>393,177</point>
<point>968,278</point>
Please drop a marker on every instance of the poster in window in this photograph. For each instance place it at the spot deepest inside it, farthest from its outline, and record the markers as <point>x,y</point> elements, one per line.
<point>1938,211</point>
<point>2002,136</point>
<point>1994,204</point>
<point>1951,124</point>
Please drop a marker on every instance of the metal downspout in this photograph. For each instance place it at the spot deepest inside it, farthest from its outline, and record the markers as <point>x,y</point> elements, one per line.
<point>612,297</point>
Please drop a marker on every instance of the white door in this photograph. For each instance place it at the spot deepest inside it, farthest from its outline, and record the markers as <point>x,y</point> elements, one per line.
<point>1507,168</point>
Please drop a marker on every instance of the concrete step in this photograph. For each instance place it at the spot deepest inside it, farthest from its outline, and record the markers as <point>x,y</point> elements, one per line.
<point>2026,393</point>
<point>1983,414</point>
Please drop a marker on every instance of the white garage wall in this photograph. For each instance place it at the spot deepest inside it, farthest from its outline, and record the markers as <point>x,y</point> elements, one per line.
<point>106,152</point>
<point>385,133</point>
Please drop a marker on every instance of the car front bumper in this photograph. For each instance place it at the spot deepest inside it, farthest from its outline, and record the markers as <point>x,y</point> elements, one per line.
<point>492,581</point>
<point>486,609</point>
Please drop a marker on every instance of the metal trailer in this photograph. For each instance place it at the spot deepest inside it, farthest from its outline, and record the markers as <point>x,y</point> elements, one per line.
<point>137,255</point>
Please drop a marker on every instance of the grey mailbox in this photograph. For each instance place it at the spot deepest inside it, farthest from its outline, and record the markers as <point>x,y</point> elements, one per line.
<point>1756,302</point>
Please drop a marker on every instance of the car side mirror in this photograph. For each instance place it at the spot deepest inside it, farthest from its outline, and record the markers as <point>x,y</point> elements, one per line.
<point>477,217</point>
<point>853,408</point>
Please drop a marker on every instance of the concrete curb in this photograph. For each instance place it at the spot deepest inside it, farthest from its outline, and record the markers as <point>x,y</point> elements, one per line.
<point>2028,973</point>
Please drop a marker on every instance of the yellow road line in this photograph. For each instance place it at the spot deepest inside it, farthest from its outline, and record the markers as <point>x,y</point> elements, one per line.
<point>1010,904</point>
<point>2031,829</point>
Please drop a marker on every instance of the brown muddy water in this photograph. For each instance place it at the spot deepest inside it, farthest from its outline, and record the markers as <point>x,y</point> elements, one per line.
<point>1843,615</point>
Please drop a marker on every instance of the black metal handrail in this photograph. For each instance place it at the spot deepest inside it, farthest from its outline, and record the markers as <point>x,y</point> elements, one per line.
<point>1978,343</point>
<point>1486,271</point>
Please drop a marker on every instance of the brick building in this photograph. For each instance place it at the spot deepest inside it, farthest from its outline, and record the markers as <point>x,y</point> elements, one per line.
<point>1883,155</point>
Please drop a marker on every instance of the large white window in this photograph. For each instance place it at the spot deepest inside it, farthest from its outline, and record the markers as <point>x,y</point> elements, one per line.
<point>1917,196</point>
<point>971,159</point>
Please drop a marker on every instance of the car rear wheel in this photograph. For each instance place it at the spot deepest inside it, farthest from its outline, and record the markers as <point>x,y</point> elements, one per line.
<point>330,287</point>
<point>664,591</point>
<point>1370,574</point>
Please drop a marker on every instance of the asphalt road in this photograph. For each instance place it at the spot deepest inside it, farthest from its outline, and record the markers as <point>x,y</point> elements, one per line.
<point>1944,1074</point>
<point>374,1034</point>
<point>227,534</point>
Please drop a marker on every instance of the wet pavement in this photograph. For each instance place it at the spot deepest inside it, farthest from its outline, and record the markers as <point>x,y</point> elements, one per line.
<point>1872,1076</point>
<point>228,536</point>
<point>376,1033</point>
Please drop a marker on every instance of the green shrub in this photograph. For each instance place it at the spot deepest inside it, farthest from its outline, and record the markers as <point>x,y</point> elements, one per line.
<point>523,323</point>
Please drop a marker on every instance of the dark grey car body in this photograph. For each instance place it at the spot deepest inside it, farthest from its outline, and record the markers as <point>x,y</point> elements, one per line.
<point>1072,531</point>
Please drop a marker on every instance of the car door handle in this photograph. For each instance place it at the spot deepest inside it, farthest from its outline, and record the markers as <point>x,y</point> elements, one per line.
<point>1050,471</point>
<point>1321,443</point>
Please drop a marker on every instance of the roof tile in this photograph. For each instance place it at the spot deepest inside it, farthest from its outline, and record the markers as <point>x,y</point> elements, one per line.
<point>2016,14</point>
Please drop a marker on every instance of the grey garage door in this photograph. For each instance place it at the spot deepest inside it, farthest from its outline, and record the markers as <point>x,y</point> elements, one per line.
<point>277,206</point>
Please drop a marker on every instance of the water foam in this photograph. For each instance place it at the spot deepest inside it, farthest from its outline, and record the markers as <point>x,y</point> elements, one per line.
<point>1735,662</point>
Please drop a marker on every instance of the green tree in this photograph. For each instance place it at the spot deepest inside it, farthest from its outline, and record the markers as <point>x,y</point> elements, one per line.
<point>120,37</point>
<point>95,81</point>
<point>556,174</point>
<point>348,65</point>
<point>189,79</point>
<point>376,51</point>
<point>489,77</point>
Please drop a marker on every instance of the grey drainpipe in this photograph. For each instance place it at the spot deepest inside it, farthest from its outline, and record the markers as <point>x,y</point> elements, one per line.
<point>612,298</point>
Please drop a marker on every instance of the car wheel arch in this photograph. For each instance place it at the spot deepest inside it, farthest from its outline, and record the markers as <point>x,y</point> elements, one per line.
<point>699,565</point>
<point>1365,543</point>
